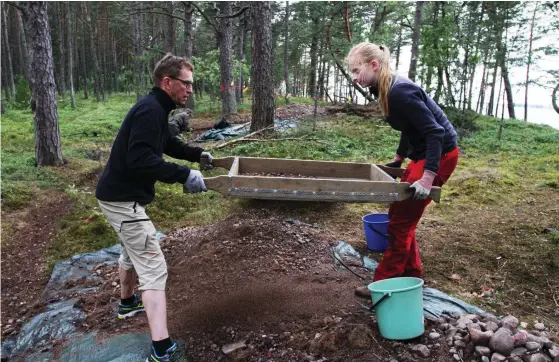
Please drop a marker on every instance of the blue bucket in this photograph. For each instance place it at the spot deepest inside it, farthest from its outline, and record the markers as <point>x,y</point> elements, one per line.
<point>376,231</point>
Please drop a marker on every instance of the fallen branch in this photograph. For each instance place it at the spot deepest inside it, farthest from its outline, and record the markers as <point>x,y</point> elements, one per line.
<point>240,139</point>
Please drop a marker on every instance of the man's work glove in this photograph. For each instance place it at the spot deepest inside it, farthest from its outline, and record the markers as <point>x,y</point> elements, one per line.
<point>422,187</point>
<point>396,162</point>
<point>206,160</point>
<point>194,183</point>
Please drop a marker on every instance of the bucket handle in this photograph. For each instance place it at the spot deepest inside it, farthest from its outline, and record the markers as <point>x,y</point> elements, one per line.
<point>379,301</point>
<point>376,231</point>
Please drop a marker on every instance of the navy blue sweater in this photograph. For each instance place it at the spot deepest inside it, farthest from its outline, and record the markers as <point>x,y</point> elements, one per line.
<point>136,162</point>
<point>426,132</point>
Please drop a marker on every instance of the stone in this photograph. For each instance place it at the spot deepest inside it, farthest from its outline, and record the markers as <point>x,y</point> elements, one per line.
<point>451,332</point>
<point>232,347</point>
<point>484,359</point>
<point>518,351</point>
<point>452,350</point>
<point>444,326</point>
<point>544,341</point>
<point>482,351</point>
<point>456,357</point>
<point>463,322</point>
<point>460,344</point>
<point>491,326</point>
<point>520,339</point>
<point>539,327</point>
<point>510,322</point>
<point>433,336</point>
<point>554,353</point>
<point>502,342</point>
<point>497,357</point>
<point>533,346</point>
<point>363,292</point>
<point>538,357</point>
<point>421,350</point>
<point>524,325</point>
<point>480,338</point>
<point>489,317</point>
<point>515,359</point>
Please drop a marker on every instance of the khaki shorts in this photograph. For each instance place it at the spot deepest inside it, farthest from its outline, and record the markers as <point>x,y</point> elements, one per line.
<point>140,248</point>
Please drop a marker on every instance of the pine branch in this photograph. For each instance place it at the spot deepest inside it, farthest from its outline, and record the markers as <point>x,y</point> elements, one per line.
<point>208,20</point>
<point>238,13</point>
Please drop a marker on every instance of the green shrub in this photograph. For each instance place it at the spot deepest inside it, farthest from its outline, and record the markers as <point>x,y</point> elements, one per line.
<point>23,93</point>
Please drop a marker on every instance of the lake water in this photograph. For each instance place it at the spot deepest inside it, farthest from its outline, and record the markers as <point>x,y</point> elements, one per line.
<point>538,115</point>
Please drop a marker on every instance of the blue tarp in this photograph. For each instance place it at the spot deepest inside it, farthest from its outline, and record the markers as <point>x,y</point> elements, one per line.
<point>220,134</point>
<point>435,302</point>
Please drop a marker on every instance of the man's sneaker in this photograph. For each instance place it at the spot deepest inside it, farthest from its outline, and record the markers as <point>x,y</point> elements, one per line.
<point>126,311</point>
<point>174,354</point>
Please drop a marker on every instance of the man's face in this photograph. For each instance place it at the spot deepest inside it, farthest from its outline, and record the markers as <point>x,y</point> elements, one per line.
<point>179,88</point>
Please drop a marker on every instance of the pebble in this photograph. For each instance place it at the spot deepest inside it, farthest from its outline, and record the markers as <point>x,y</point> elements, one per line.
<point>421,350</point>
<point>434,335</point>
<point>524,325</point>
<point>532,346</point>
<point>491,326</point>
<point>518,351</point>
<point>114,284</point>
<point>456,357</point>
<point>460,344</point>
<point>539,326</point>
<point>554,353</point>
<point>510,322</point>
<point>502,342</point>
<point>485,359</point>
<point>482,351</point>
<point>538,357</point>
<point>452,350</point>
<point>496,357</point>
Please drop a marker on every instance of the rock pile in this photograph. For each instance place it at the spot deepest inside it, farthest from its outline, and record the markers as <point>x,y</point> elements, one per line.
<point>488,339</point>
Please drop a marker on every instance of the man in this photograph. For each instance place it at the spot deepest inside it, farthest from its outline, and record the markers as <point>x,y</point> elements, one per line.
<point>179,121</point>
<point>126,186</point>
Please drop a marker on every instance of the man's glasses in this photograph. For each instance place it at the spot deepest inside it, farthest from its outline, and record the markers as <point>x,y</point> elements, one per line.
<point>186,83</point>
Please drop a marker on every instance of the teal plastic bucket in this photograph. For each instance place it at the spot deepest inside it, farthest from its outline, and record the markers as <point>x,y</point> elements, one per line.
<point>376,231</point>
<point>398,304</point>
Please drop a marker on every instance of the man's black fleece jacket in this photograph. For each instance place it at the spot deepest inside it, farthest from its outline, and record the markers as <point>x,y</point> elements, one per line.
<point>136,161</point>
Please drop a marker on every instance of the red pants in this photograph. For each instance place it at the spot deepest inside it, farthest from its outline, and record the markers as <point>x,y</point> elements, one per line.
<point>401,259</point>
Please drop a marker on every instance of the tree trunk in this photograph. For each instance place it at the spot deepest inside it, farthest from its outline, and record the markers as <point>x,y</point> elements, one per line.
<point>554,98</point>
<point>70,54</point>
<point>171,30</point>
<point>415,40</point>
<point>8,53</point>
<point>286,50</point>
<point>508,89</point>
<point>48,149</point>
<point>138,68</point>
<point>228,103</point>
<point>529,62</point>
<point>450,92</point>
<point>314,57</point>
<point>61,82</point>
<point>98,77</point>
<point>263,88</point>
<point>241,58</point>
<point>85,64</point>
<point>398,46</point>
<point>24,50</point>
<point>491,104</point>
<point>188,11</point>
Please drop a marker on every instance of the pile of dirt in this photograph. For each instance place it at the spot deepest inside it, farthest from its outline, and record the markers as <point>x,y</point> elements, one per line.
<point>24,246</point>
<point>257,286</point>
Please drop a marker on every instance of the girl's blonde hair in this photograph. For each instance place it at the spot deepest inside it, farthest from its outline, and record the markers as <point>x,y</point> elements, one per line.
<point>365,53</point>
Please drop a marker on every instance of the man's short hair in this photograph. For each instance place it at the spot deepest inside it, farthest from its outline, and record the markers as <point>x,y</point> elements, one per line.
<point>170,66</point>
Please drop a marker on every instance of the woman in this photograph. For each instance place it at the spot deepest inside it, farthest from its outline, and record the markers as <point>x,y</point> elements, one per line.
<point>427,138</point>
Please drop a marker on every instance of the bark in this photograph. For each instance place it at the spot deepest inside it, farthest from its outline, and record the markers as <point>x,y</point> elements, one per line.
<point>99,88</point>
<point>48,149</point>
<point>241,58</point>
<point>263,107</point>
<point>228,103</point>
<point>61,81</point>
<point>529,62</point>
<point>24,49</point>
<point>450,94</point>
<point>188,12</point>
<point>70,54</point>
<point>415,40</point>
<point>85,64</point>
<point>285,50</point>
<point>170,30</point>
<point>491,104</point>
<point>398,46</point>
<point>8,54</point>
<point>554,97</point>
<point>508,89</point>
<point>314,57</point>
